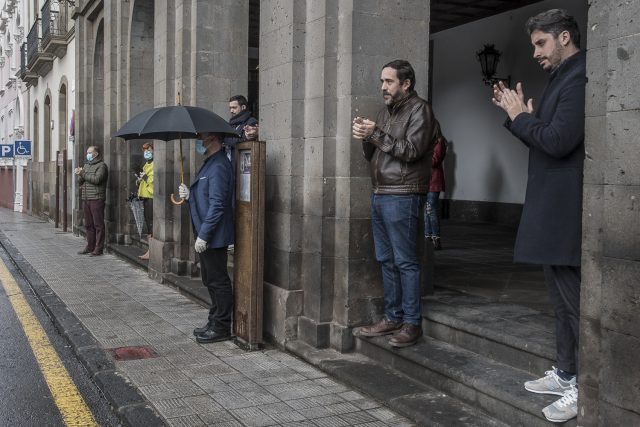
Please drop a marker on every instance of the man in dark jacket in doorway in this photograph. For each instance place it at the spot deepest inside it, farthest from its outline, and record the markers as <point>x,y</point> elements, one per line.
<point>398,147</point>
<point>92,179</point>
<point>550,231</point>
<point>243,122</point>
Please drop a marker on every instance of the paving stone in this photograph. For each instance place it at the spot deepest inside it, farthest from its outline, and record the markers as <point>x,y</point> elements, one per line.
<point>334,421</point>
<point>188,384</point>
<point>188,421</point>
<point>171,408</point>
<point>203,404</point>
<point>217,417</point>
<point>356,418</point>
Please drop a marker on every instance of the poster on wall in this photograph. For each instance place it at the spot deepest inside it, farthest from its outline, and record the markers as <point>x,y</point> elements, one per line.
<point>244,194</point>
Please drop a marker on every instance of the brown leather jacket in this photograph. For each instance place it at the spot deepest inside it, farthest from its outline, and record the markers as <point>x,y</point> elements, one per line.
<point>399,150</point>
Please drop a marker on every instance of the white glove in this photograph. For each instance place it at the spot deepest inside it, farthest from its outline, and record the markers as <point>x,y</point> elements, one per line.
<point>201,245</point>
<point>183,191</point>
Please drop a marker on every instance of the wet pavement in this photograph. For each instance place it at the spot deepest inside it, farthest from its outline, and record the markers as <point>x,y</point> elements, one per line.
<point>25,396</point>
<point>187,383</point>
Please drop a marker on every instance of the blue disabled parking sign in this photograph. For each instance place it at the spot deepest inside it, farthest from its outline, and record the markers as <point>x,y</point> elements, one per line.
<point>22,148</point>
<point>6,151</point>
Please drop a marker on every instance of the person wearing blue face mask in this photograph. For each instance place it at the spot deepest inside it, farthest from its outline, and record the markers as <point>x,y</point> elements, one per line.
<point>145,191</point>
<point>92,179</point>
<point>210,199</point>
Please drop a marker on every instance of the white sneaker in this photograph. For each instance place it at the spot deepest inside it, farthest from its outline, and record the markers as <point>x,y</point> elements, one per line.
<point>551,383</point>
<point>564,408</point>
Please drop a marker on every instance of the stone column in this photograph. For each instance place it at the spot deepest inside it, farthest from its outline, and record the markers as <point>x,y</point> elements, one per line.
<point>201,53</point>
<point>610,333</point>
<point>320,66</point>
<point>166,161</point>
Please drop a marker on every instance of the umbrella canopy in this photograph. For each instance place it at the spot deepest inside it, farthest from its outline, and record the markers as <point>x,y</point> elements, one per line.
<point>137,207</point>
<point>167,123</point>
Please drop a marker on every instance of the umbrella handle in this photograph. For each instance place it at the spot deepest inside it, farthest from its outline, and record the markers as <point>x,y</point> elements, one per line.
<point>173,199</point>
<point>176,202</point>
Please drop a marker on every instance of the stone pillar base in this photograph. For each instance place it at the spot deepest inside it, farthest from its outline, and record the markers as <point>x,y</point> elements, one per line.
<point>314,333</point>
<point>341,338</point>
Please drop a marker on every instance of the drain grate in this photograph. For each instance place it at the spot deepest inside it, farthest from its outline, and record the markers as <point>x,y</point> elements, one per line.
<point>133,352</point>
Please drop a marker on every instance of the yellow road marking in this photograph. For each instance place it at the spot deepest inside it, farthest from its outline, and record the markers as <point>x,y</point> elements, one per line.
<point>70,403</point>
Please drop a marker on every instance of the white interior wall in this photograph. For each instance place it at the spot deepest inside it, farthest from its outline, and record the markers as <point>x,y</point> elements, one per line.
<point>484,162</point>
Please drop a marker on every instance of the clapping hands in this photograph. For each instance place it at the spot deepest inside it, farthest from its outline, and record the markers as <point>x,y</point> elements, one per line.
<point>511,101</point>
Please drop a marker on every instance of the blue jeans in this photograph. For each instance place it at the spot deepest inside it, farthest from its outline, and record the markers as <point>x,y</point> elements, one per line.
<point>431,222</point>
<point>394,221</point>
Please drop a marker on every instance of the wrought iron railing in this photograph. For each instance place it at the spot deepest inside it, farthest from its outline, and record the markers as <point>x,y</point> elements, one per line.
<point>33,42</point>
<point>55,19</point>
<point>23,59</point>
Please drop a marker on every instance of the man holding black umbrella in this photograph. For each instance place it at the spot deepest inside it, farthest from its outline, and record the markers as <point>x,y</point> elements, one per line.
<point>210,202</point>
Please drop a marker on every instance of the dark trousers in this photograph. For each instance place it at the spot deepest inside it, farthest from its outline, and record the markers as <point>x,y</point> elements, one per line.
<point>94,224</point>
<point>213,268</point>
<point>564,293</point>
<point>148,214</point>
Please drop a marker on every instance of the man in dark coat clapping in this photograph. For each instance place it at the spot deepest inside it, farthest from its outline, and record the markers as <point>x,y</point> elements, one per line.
<point>550,229</point>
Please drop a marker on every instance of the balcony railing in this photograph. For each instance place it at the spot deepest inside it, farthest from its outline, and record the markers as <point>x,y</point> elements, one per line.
<point>33,42</point>
<point>55,20</point>
<point>23,60</point>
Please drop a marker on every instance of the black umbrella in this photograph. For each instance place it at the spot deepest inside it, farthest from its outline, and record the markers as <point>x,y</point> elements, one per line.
<point>176,122</point>
<point>168,123</point>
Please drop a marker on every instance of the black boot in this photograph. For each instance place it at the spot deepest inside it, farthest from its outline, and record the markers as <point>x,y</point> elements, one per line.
<point>210,336</point>
<point>202,329</point>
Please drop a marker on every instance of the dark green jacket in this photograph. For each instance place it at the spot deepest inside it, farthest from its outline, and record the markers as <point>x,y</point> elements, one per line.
<point>93,180</point>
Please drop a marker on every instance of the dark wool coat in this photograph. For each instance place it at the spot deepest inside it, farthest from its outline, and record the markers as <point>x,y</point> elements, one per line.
<point>550,231</point>
<point>210,202</point>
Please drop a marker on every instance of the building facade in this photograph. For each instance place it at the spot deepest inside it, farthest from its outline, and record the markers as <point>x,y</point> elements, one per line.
<point>45,66</point>
<point>319,64</point>
<point>14,179</point>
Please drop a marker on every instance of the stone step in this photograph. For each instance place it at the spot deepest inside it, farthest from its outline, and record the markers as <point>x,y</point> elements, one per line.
<point>492,387</point>
<point>418,402</point>
<point>512,334</point>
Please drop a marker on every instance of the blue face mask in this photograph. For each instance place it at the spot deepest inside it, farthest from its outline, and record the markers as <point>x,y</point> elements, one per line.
<point>200,149</point>
<point>148,155</point>
<point>89,157</point>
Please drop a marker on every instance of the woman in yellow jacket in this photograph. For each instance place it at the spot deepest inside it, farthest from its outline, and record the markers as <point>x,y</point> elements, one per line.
<point>145,191</point>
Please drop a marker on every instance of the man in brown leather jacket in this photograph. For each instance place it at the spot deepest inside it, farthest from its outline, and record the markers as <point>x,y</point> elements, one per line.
<point>398,147</point>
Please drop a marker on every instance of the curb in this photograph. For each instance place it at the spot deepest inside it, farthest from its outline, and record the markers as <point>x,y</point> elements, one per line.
<point>127,402</point>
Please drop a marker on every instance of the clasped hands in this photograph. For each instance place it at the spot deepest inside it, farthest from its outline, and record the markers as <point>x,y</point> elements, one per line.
<point>251,132</point>
<point>362,128</point>
<point>511,101</point>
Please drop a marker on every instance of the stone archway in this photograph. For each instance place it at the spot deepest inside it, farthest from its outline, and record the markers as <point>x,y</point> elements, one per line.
<point>97,98</point>
<point>140,90</point>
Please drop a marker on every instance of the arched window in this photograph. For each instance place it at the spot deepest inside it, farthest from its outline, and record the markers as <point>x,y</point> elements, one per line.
<point>18,116</point>
<point>36,134</point>
<point>46,127</point>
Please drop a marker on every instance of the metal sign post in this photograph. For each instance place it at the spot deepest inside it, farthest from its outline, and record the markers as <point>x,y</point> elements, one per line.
<point>21,153</point>
<point>248,257</point>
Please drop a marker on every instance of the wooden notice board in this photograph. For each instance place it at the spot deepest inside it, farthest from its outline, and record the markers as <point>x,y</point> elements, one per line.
<point>248,257</point>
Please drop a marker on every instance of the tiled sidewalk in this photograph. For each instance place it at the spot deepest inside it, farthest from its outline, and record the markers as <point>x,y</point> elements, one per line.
<point>188,384</point>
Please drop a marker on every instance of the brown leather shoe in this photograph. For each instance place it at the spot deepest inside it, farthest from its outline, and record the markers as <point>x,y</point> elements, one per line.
<point>408,335</point>
<point>85,251</point>
<point>383,327</point>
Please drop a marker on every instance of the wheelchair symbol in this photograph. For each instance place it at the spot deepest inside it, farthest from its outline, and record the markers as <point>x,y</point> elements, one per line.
<point>21,149</point>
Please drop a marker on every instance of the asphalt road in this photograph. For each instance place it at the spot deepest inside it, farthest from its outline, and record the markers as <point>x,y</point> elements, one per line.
<point>24,395</point>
